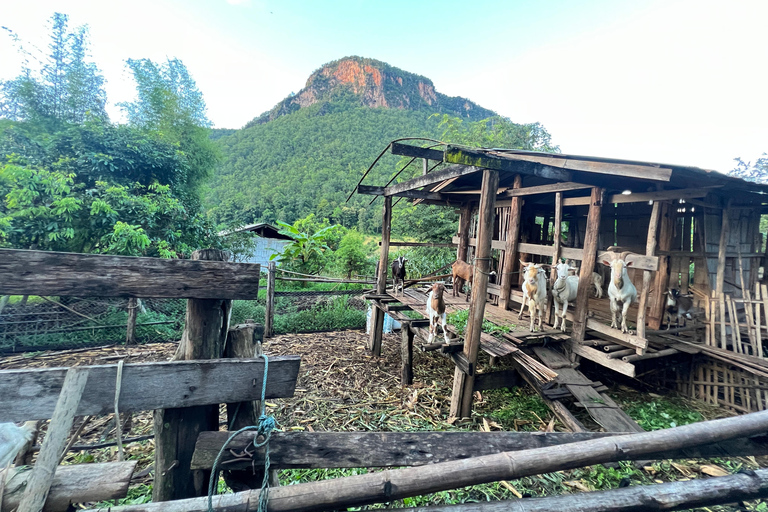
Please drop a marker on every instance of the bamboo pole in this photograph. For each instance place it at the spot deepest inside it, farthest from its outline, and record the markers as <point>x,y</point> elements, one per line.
<point>390,485</point>
<point>669,496</point>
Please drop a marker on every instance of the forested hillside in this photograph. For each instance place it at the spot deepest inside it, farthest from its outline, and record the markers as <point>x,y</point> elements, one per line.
<point>307,153</point>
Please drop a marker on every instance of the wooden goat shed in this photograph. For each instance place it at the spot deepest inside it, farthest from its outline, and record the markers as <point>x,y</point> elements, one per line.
<point>685,228</point>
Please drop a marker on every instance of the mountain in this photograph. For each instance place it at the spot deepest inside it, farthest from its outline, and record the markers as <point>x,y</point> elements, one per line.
<point>307,153</point>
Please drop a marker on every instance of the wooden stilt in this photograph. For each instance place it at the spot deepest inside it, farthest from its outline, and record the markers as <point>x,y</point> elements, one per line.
<point>587,264</point>
<point>725,232</point>
<point>377,316</point>
<point>465,219</point>
<point>656,299</point>
<point>406,354</point>
<point>556,235</point>
<point>650,250</point>
<point>461,400</point>
<point>510,247</point>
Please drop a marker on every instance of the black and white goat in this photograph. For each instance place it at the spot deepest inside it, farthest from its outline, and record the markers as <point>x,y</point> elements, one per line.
<point>621,289</point>
<point>398,274</point>
<point>678,306</point>
<point>564,291</point>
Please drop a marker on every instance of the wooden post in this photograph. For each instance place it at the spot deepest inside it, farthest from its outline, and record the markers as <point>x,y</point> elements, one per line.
<point>465,219</point>
<point>661,280</point>
<point>510,247</point>
<point>377,316</point>
<point>650,250</point>
<point>406,354</point>
<point>269,312</point>
<point>587,264</point>
<point>133,310</point>
<point>244,341</point>
<point>556,234</point>
<point>55,440</point>
<point>725,233</point>
<point>176,430</point>
<point>461,400</point>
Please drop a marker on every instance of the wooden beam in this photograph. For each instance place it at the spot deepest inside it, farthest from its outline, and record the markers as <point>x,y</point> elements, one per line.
<point>463,239</point>
<point>377,316</point>
<point>645,172</point>
<point>545,189</point>
<point>76,483</point>
<point>396,484</point>
<point>650,250</point>
<point>511,245</point>
<point>587,264</point>
<point>39,484</point>
<point>400,149</point>
<point>467,156</point>
<point>32,394</point>
<point>461,399</point>
<point>657,299</point>
<point>406,354</point>
<point>95,275</point>
<point>453,171</point>
<point>644,197</point>
<point>413,194</point>
<point>556,235</point>
<point>325,450</point>
<point>601,358</point>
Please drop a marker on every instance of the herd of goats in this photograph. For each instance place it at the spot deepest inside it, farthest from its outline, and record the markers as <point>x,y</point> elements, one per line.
<point>621,293</point>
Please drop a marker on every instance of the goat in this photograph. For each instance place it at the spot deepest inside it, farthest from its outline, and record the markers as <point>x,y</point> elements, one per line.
<point>436,311</point>
<point>398,274</point>
<point>463,273</point>
<point>535,291</point>
<point>597,279</point>
<point>563,291</point>
<point>679,306</point>
<point>621,289</point>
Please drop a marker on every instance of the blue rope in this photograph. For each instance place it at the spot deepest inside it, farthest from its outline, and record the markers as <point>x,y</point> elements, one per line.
<point>264,428</point>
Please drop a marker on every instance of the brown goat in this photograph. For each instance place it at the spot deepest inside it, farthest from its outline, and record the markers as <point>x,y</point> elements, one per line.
<point>463,273</point>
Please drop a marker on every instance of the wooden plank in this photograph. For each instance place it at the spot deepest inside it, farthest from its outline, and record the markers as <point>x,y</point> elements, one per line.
<point>650,248</point>
<point>406,355</point>
<point>644,172</point>
<point>433,177</point>
<point>39,484</point>
<point>545,189</point>
<point>496,380</point>
<point>465,156</point>
<point>320,450</point>
<point>599,405</point>
<point>31,394</point>
<point>77,483</point>
<point>400,149</point>
<point>461,399</point>
<point>587,264</point>
<point>377,316</point>
<point>601,358</point>
<point>644,197</point>
<point>413,194</point>
<point>95,275</point>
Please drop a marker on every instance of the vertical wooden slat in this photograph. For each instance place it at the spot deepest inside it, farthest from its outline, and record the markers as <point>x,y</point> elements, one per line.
<point>587,264</point>
<point>406,354</point>
<point>758,321</point>
<point>556,236</point>
<point>725,231</point>
<point>461,400</point>
<point>735,335</point>
<point>464,223</point>
<point>269,313</point>
<point>510,247</point>
<point>661,280</point>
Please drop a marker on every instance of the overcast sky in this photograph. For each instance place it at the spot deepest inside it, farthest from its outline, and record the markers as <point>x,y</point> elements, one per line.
<point>670,81</point>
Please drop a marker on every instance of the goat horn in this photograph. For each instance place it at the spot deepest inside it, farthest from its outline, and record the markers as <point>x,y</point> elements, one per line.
<point>624,255</point>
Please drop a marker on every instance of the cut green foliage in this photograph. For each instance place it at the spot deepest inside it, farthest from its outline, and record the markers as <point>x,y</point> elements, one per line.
<point>459,321</point>
<point>661,413</point>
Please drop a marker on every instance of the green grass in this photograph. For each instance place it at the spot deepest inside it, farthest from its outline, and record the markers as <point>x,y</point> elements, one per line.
<point>459,321</point>
<point>661,413</point>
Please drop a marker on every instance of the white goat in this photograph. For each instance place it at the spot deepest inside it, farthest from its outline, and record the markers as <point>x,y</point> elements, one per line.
<point>597,279</point>
<point>534,291</point>
<point>621,289</point>
<point>564,291</point>
<point>436,311</point>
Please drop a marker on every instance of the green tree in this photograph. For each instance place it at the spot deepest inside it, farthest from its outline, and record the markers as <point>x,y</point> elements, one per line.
<point>306,251</point>
<point>496,132</point>
<point>64,87</point>
<point>351,257</point>
<point>757,172</point>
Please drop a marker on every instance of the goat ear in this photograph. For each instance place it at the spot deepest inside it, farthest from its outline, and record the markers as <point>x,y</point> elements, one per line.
<point>629,263</point>
<point>606,262</point>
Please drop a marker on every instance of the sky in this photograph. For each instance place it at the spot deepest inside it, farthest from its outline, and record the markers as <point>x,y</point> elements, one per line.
<point>672,81</point>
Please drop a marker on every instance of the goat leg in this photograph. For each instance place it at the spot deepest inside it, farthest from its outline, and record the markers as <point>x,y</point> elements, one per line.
<point>624,311</point>
<point>557,315</point>
<point>614,314</point>
<point>522,307</point>
<point>445,331</point>
<point>562,318</point>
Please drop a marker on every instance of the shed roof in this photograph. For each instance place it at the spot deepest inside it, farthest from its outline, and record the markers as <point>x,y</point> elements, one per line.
<point>262,229</point>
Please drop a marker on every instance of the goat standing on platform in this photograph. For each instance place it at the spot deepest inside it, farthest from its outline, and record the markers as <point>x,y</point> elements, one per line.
<point>535,291</point>
<point>621,289</point>
<point>398,274</point>
<point>436,311</point>
<point>564,291</point>
<point>597,279</point>
<point>463,273</point>
<point>679,306</point>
